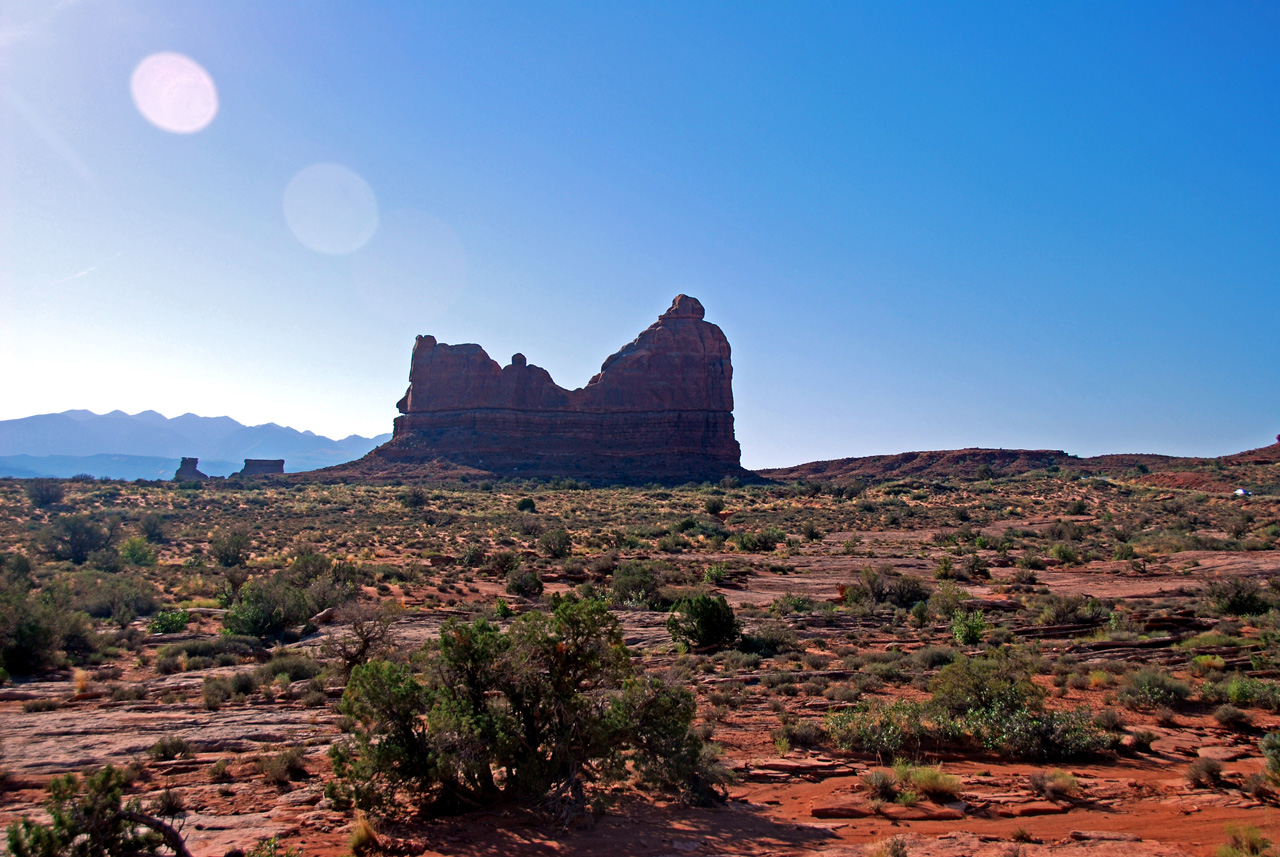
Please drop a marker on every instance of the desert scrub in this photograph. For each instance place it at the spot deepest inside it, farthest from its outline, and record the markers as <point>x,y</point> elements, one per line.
<point>880,785</point>
<point>1244,841</point>
<point>929,781</point>
<point>524,582</point>
<point>169,622</point>
<point>37,706</point>
<point>177,655</point>
<point>500,727</point>
<point>1152,688</point>
<point>887,730</point>
<point>1053,785</point>
<point>280,768</point>
<point>169,748</point>
<point>294,667</point>
<point>90,817</point>
<point>1244,690</point>
<point>704,622</point>
<point>968,627</point>
<point>1204,773</point>
<point>798,733</point>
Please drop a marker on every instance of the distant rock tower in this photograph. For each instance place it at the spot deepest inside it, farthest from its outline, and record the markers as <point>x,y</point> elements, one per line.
<point>262,467</point>
<point>188,472</point>
<point>660,409</point>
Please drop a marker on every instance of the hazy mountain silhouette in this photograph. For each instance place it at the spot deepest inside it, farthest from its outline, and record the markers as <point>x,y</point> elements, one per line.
<point>148,445</point>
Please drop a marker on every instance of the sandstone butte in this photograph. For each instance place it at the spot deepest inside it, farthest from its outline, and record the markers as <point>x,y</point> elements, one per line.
<point>659,410</point>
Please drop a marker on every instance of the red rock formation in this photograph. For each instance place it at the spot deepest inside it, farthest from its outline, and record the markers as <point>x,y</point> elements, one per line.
<point>661,409</point>
<point>262,466</point>
<point>189,471</point>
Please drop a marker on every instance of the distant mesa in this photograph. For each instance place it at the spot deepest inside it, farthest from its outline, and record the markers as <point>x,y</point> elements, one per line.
<point>659,410</point>
<point>189,472</point>
<point>262,467</point>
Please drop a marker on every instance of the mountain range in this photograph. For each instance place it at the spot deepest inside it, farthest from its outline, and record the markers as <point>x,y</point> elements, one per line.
<point>148,445</point>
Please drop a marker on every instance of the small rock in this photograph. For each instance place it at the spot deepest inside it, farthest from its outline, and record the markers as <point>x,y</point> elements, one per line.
<point>1035,807</point>
<point>1222,754</point>
<point>1103,836</point>
<point>841,810</point>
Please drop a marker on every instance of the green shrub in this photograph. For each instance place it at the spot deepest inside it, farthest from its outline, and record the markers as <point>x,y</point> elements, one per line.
<point>880,785</point>
<point>635,585</point>
<point>169,748</point>
<point>1068,609</point>
<point>504,562</point>
<point>704,622</point>
<point>555,543</point>
<point>1237,596</point>
<point>215,692</point>
<point>44,492</point>
<point>89,817</point>
<point>38,706</point>
<point>1244,841</point>
<point>282,767</point>
<point>1047,735</point>
<point>935,785</point>
<point>1204,773</point>
<point>524,582</point>
<point>999,683</point>
<point>229,548</point>
<point>526,504</point>
<point>152,528</point>
<point>74,538</point>
<point>1270,747</point>
<point>1065,553</point>
<point>228,644</point>
<point>946,600</point>
<point>761,542</point>
<point>1053,785</point>
<point>1151,688</point>
<point>932,657</point>
<point>517,714</point>
<point>137,551</point>
<point>769,639</point>
<point>169,622</point>
<point>1141,741</point>
<point>1238,689</point>
<point>120,597</point>
<point>39,632</point>
<point>887,730</point>
<point>266,608</point>
<point>297,667</point>
<point>968,627</point>
<point>713,506</point>
<point>1231,717</point>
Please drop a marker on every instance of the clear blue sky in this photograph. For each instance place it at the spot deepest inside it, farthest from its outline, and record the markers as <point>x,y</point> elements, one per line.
<point>921,225</point>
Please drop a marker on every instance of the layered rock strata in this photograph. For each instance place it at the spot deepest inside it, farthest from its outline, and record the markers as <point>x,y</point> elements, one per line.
<point>660,409</point>
<point>262,467</point>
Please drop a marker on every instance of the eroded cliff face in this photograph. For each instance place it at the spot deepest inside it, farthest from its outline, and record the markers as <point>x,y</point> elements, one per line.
<point>661,408</point>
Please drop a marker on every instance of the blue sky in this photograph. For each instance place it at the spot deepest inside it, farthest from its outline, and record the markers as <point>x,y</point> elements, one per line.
<point>921,225</point>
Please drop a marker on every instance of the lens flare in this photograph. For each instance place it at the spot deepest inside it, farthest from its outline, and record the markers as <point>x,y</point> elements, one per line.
<point>330,209</point>
<point>174,93</point>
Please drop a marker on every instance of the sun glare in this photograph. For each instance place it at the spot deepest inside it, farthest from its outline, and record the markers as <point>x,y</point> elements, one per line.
<point>174,93</point>
<point>330,209</point>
